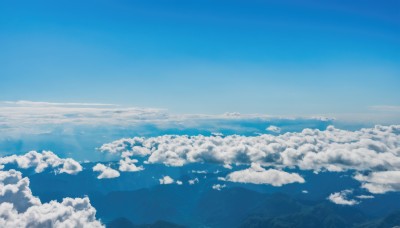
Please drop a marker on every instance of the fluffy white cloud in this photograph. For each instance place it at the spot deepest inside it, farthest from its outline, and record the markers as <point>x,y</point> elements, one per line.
<point>380,182</point>
<point>71,166</point>
<point>258,175</point>
<point>19,208</point>
<point>105,171</point>
<point>273,128</point>
<point>129,146</point>
<point>375,150</point>
<point>332,149</point>
<point>218,187</point>
<point>342,198</point>
<point>179,182</point>
<point>128,165</point>
<point>166,180</point>
<point>42,161</point>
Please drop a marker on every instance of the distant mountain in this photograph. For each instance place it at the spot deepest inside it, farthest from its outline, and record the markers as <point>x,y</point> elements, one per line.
<point>126,223</point>
<point>320,215</point>
<point>392,220</point>
<point>234,207</point>
<point>139,197</point>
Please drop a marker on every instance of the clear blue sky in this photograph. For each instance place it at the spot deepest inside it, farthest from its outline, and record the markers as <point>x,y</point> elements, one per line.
<point>204,56</point>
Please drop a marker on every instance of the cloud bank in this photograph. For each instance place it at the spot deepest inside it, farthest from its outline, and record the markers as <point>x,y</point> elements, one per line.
<point>332,149</point>
<point>380,182</point>
<point>374,150</point>
<point>42,161</point>
<point>19,208</point>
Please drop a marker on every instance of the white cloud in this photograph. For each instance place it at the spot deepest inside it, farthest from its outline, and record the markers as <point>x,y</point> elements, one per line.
<point>332,149</point>
<point>71,166</point>
<point>218,187</point>
<point>128,165</point>
<point>19,208</point>
<point>105,171</point>
<point>166,180</point>
<point>42,161</point>
<point>380,182</point>
<point>129,146</point>
<point>273,128</point>
<point>194,181</point>
<point>341,198</point>
<point>304,191</point>
<point>28,117</point>
<point>365,197</point>
<point>36,117</point>
<point>179,182</point>
<point>258,175</point>
<point>369,149</point>
<point>199,171</point>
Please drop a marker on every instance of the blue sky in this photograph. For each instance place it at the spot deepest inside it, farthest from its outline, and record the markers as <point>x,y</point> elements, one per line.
<point>273,57</point>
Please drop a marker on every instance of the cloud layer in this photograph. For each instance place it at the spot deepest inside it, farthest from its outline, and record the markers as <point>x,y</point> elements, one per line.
<point>332,149</point>
<point>374,150</point>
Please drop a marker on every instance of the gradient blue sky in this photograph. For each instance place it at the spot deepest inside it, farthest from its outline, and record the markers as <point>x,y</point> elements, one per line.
<point>209,56</point>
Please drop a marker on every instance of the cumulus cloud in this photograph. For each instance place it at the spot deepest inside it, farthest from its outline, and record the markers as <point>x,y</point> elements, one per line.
<point>166,180</point>
<point>218,187</point>
<point>273,128</point>
<point>42,161</point>
<point>380,182</point>
<point>105,171</point>
<point>342,198</point>
<point>129,146</point>
<point>128,165</point>
<point>71,166</point>
<point>19,208</point>
<point>373,150</point>
<point>258,175</point>
<point>332,149</point>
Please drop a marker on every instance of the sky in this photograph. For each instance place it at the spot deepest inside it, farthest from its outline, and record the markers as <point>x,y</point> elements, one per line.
<point>120,98</point>
<point>212,57</point>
